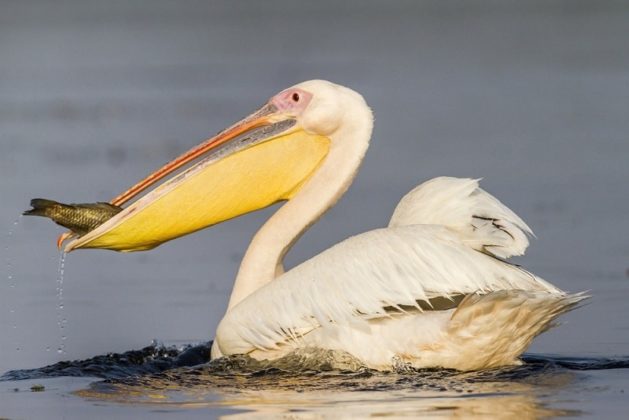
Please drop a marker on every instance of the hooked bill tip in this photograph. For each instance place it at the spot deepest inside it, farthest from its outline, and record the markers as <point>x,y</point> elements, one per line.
<point>62,238</point>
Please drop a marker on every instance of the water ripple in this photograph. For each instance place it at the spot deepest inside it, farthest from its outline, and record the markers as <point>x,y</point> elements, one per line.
<point>320,380</point>
<point>193,360</point>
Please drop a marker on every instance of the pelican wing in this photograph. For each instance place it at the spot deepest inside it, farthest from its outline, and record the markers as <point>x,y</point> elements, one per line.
<point>477,217</point>
<point>362,278</point>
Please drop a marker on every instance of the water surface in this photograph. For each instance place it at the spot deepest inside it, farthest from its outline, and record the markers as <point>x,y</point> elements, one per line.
<point>531,96</point>
<point>318,383</point>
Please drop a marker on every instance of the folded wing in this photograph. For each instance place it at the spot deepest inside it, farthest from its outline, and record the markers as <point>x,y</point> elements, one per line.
<point>381,273</point>
<point>459,204</point>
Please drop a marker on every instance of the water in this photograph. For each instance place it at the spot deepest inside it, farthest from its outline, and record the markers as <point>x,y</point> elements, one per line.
<point>10,270</point>
<point>315,381</point>
<point>531,96</point>
<point>61,320</point>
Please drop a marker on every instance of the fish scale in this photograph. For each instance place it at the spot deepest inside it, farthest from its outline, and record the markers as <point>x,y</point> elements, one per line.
<point>79,218</point>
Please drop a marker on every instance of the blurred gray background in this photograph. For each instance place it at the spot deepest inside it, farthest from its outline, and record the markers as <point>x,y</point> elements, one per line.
<point>531,95</point>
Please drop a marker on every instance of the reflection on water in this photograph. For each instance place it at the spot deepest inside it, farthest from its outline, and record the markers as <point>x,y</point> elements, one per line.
<point>301,393</point>
<point>386,405</point>
<point>340,404</point>
<point>321,384</point>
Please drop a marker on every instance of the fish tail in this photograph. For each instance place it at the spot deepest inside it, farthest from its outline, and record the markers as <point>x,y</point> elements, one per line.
<point>41,207</point>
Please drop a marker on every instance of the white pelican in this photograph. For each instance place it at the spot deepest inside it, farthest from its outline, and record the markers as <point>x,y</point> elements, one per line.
<point>433,289</point>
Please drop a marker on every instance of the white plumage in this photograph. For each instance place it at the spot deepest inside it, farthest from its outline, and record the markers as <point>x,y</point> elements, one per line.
<point>479,219</point>
<point>433,289</point>
<point>365,294</point>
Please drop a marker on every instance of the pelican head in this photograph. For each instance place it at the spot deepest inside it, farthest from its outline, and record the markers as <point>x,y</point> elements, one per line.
<point>264,158</point>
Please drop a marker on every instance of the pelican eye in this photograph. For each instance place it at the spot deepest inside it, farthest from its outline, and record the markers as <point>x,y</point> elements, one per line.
<point>295,97</point>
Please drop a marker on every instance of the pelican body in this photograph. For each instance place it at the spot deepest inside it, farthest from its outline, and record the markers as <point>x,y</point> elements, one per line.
<point>432,289</point>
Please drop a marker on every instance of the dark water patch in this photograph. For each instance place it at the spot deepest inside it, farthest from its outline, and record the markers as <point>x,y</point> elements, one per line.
<point>164,367</point>
<point>148,360</point>
<point>578,363</point>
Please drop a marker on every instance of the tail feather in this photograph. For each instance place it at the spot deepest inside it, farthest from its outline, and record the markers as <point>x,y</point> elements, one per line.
<point>494,329</point>
<point>502,324</point>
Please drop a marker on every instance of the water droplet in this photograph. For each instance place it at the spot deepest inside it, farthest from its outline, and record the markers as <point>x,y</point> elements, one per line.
<point>18,348</point>
<point>47,348</point>
<point>9,257</point>
<point>61,320</point>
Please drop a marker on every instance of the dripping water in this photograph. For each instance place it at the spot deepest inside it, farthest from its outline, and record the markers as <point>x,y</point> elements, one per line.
<point>61,319</point>
<point>11,274</point>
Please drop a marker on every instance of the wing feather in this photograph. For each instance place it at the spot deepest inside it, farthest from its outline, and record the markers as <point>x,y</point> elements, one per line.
<point>355,280</point>
<point>480,220</point>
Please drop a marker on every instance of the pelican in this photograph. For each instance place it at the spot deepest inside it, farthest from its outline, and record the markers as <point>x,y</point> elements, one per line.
<point>432,289</point>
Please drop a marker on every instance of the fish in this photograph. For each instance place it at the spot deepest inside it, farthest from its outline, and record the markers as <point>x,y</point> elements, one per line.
<point>80,218</point>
